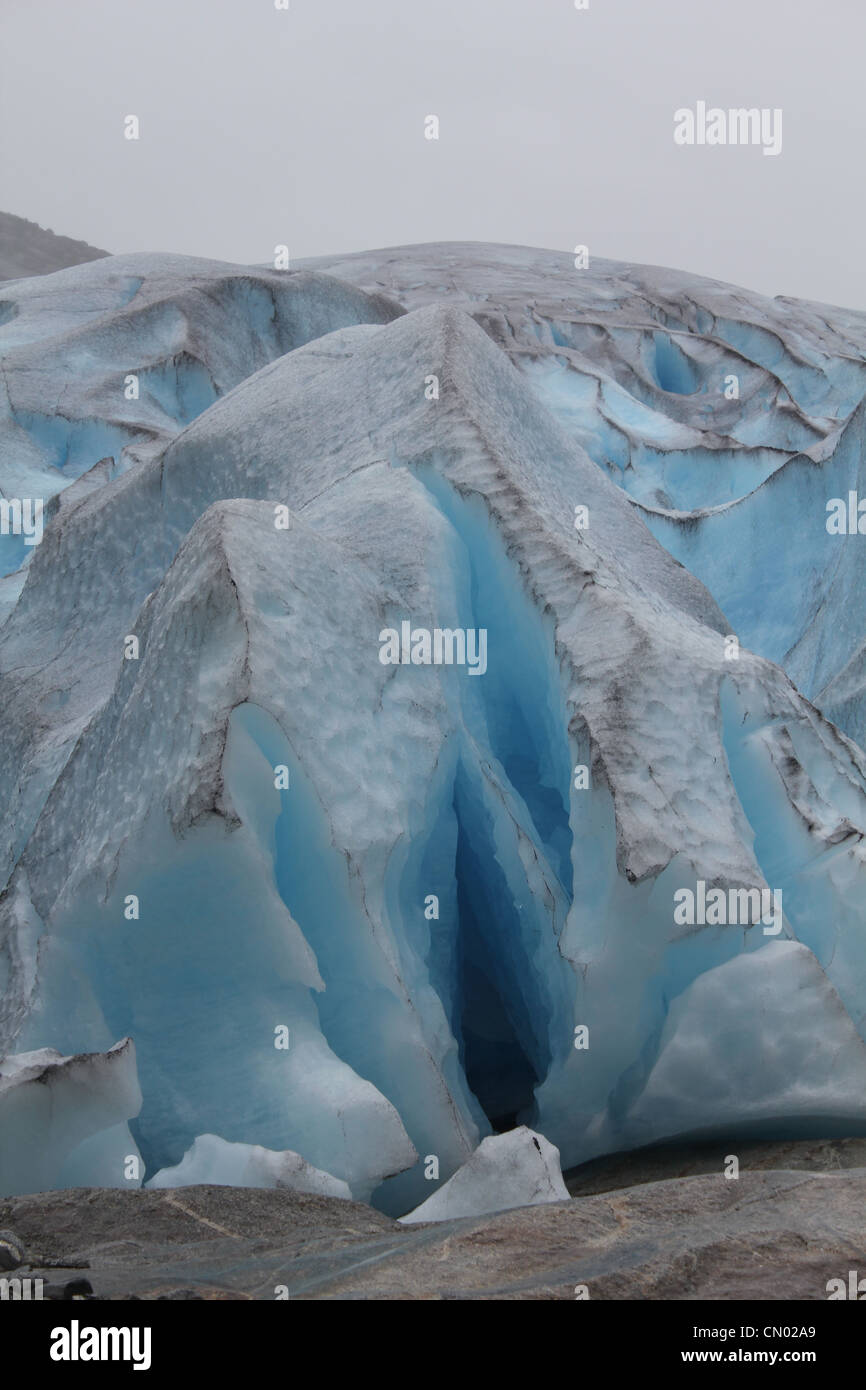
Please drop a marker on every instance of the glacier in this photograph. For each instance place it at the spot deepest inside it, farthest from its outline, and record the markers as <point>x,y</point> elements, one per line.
<point>372,914</point>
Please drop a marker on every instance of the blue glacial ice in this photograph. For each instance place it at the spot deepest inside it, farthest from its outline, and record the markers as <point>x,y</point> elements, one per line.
<point>373,914</point>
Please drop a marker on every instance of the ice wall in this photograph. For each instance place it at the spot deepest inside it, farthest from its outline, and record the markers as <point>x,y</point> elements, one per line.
<point>375,913</point>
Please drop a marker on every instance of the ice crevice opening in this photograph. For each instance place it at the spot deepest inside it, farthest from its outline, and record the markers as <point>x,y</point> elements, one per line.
<point>673,371</point>
<point>509,990</point>
<point>495,1006</point>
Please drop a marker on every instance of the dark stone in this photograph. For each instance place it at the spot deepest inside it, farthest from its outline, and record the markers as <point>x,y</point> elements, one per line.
<point>73,1288</point>
<point>11,1251</point>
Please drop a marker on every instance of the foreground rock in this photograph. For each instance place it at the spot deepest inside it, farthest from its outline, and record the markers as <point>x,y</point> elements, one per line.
<point>517,1169</point>
<point>691,1160</point>
<point>11,1250</point>
<point>777,1234</point>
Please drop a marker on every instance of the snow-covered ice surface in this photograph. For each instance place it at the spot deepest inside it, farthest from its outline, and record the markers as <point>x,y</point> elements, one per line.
<point>517,1169</point>
<point>636,362</point>
<point>104,363</point>
<point>212,1160</point>
<point>286,980</point>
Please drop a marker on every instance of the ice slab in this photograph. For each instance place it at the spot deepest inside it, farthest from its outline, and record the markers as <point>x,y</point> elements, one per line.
<point>517,1169</point>
<point>214,1160</point>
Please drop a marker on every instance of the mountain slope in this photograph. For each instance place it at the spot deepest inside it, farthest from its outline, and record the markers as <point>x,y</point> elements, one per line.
<point>28,249</point>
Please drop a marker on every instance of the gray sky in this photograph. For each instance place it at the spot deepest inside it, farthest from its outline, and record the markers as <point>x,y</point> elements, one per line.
<point>306,128</point>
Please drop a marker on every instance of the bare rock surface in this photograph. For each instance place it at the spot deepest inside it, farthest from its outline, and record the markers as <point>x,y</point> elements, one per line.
<point>772,1234</point>
<point>689,1160</point>
<point>28,249</point>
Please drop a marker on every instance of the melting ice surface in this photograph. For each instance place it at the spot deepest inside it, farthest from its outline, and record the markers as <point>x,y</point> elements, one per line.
<point>358,917</point>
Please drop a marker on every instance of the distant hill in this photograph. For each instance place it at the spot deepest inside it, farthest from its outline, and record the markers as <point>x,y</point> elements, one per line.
<point>28,249</point>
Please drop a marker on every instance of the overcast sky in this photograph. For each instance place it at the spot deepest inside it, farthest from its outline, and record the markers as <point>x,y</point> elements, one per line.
<point>260,126</point>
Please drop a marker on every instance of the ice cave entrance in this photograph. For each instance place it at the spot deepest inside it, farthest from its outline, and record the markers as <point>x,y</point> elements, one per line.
<point>494,1024</point>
